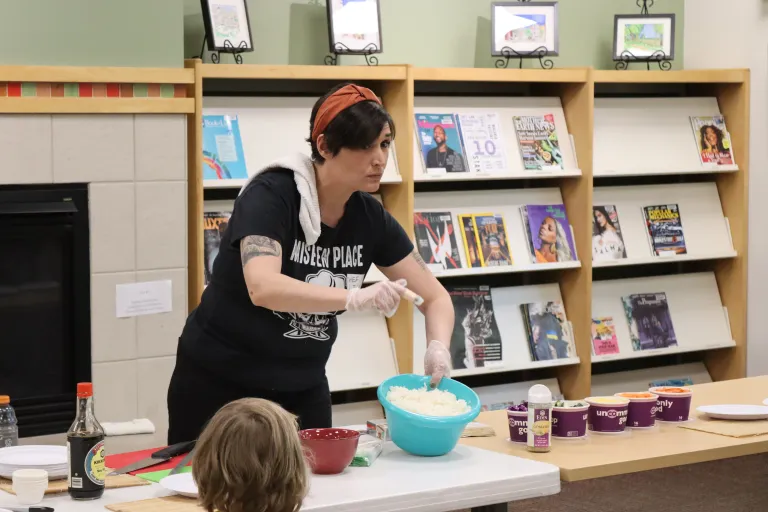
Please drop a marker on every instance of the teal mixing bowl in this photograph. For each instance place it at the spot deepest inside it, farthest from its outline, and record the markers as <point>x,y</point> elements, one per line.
<point>428,436</point>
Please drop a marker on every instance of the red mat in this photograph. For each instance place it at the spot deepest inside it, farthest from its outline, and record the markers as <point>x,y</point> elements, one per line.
<point>119,460</point>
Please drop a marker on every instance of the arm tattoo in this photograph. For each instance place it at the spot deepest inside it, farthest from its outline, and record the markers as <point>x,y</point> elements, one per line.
<point>419,259</point>
<point>255,245</point>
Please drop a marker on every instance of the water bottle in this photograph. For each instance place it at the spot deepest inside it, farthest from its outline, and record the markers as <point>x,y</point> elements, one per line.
<point>9,432</point>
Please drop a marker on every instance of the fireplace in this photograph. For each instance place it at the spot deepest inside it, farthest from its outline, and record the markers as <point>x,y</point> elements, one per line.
<point>45,325</point>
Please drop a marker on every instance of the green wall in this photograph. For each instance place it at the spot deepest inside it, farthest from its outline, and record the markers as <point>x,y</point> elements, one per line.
<point>434,33</point>
<point>142,33</point>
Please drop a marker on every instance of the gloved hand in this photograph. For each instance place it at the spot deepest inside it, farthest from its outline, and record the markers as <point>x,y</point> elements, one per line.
<point>383,296</point>
<point>437,362</point>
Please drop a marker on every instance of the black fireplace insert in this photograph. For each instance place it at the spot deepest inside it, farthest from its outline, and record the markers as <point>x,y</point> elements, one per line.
<point>45,313</point>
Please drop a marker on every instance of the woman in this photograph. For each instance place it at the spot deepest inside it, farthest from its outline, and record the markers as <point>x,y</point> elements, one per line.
<point>607,243</point>
<point>553,244</point>
<point>302,236</point>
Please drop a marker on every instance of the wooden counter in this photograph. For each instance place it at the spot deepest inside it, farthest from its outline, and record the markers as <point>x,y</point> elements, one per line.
<point>664,446</point>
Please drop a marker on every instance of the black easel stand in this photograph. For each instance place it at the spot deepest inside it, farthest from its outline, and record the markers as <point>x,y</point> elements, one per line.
<point>508,53</point>
<point>341,49</point>
<point>228,48</point>
<point>658,57</point>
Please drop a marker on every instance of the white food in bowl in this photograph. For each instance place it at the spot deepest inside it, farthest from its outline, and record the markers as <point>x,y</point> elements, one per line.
<point>429,403</point>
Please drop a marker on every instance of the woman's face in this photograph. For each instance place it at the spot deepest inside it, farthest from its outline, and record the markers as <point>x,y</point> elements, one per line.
<point>600,218</point>
<point>548,231</point>
<point>711,136</point>
<point>361,169</point>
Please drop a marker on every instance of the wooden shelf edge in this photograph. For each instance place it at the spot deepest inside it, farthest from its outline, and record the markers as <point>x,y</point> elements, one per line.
<point>678,76</point>
<point>568,75</point>
<point>663,352</point>
<point>109,75</point>
<point>294,72</point>
<point>97,105</point>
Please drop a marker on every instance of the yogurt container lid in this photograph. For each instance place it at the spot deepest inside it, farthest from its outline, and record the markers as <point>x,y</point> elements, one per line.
<point>607,400</point>
<point>671,390</point>
<point>644,396</point>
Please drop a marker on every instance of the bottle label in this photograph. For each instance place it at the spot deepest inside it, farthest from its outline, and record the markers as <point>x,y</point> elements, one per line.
<point>541,428</point>
<point>95,467</point>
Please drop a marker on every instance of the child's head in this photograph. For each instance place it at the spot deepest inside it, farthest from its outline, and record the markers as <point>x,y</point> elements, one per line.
<point>250,458</point>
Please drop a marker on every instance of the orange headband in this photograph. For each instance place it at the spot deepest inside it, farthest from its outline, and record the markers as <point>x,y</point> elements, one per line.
<point>338,101</point>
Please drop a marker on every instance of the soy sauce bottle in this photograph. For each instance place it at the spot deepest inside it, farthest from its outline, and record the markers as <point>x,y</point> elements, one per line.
<point>85,449</point>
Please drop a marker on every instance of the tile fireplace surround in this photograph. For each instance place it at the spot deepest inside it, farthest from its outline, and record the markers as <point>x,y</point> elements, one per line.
<point>135,167</point>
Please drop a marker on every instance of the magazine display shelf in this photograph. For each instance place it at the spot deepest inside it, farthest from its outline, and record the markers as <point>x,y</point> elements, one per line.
<point>646,154</point>
<point>273,105</point>
<point>713,202</point>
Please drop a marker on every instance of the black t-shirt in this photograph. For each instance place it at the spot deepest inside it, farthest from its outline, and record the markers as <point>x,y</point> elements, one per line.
<point>258,348</point>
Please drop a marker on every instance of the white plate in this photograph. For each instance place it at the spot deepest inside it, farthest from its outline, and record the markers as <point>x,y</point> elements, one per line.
<point>182,483</point>
<point>765,401</point>
<point>34,456</point>
<point>735,411</point>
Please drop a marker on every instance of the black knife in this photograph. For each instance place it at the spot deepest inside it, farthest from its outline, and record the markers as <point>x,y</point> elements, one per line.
<point>27,509</point>
<point>158,457</point>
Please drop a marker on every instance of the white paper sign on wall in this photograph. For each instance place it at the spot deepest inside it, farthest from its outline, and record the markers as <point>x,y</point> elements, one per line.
<point>147,298</point>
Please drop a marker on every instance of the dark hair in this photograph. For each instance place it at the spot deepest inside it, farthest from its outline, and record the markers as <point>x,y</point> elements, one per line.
<point>356,127</point>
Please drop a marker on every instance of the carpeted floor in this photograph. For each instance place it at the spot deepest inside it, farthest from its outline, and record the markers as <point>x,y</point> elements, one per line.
<point>731,485</point>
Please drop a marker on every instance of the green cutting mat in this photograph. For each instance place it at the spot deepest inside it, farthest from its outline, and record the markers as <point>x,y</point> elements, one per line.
<point>156,476</point>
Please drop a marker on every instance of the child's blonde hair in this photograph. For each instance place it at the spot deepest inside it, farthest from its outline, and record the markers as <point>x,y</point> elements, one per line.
<point>249,459</point>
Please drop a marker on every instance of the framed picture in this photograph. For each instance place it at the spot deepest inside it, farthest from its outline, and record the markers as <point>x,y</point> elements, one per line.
<point>354,26</point>
<point>227,25</point>
<point>643,37</point>
<point>524,27</point>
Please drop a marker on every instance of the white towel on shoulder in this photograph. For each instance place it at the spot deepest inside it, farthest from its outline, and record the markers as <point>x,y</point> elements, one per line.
<point>304,176</point>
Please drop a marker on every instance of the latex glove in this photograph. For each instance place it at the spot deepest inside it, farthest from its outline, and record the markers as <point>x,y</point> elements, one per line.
<point>437,362</point>
<point>383,296</point>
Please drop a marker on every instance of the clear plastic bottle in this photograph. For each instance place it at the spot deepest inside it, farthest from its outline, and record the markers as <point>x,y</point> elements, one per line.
<point>539,419</point>
<point>85,449</point>
<point>9,432</point>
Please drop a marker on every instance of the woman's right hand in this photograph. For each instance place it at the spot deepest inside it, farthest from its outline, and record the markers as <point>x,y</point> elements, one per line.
<point>383,296</point>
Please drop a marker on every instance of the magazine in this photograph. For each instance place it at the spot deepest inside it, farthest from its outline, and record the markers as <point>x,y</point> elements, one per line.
<point>440,143</point>
<point>604,341</point>
<point>549,233</point>
<point>436,239</point>
<point>469,238</point>
<point>607,241</point>
<point>650,322</point>
<point>548,330</point>
<point>223,157</point>
<point>665,229</point>
<point>476,340</point>
<point>214,225</point>
<point>492,241</point>
<point>539,145</point>
<point>482,140</point>
<point>712,140</point>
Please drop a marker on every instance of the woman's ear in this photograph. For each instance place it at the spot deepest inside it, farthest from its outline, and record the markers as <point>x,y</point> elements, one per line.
<point>322,147</point>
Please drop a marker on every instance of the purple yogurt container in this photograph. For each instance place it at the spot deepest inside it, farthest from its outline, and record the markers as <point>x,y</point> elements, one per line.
<point>518,426</point>
<point>642,409</point>
<point>569,422</point>
<point>607,414</point>
<point>673,404</point>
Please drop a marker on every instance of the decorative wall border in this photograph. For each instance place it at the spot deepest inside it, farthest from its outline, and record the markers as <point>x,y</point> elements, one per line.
<point>90,90</point>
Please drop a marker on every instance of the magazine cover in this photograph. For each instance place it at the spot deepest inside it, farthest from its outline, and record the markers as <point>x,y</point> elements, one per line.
<point>549,334</point>
<point>539,145</point>
<point>549,233</point>
<point>469,239</point>
<point>476,339</point>
<point>604,341</point>
<point>223,157</point>
<point>712,140</point>
<point>482,141</point>
<point>214,225</point>
<point>492,240</point>
<point>440,142</point>
<point>607,242</point>
<point>436,239</point>
<point>650,323</point>
<point>665,229</point>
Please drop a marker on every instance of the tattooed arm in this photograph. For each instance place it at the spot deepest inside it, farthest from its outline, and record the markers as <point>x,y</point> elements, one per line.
<point>262,261</point>
<point>437,307</point>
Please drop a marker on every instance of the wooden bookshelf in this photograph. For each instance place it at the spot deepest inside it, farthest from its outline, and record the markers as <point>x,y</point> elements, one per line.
<point>576,89</point>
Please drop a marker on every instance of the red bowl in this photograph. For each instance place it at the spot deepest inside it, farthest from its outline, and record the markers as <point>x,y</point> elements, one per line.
<point>330,449</point>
